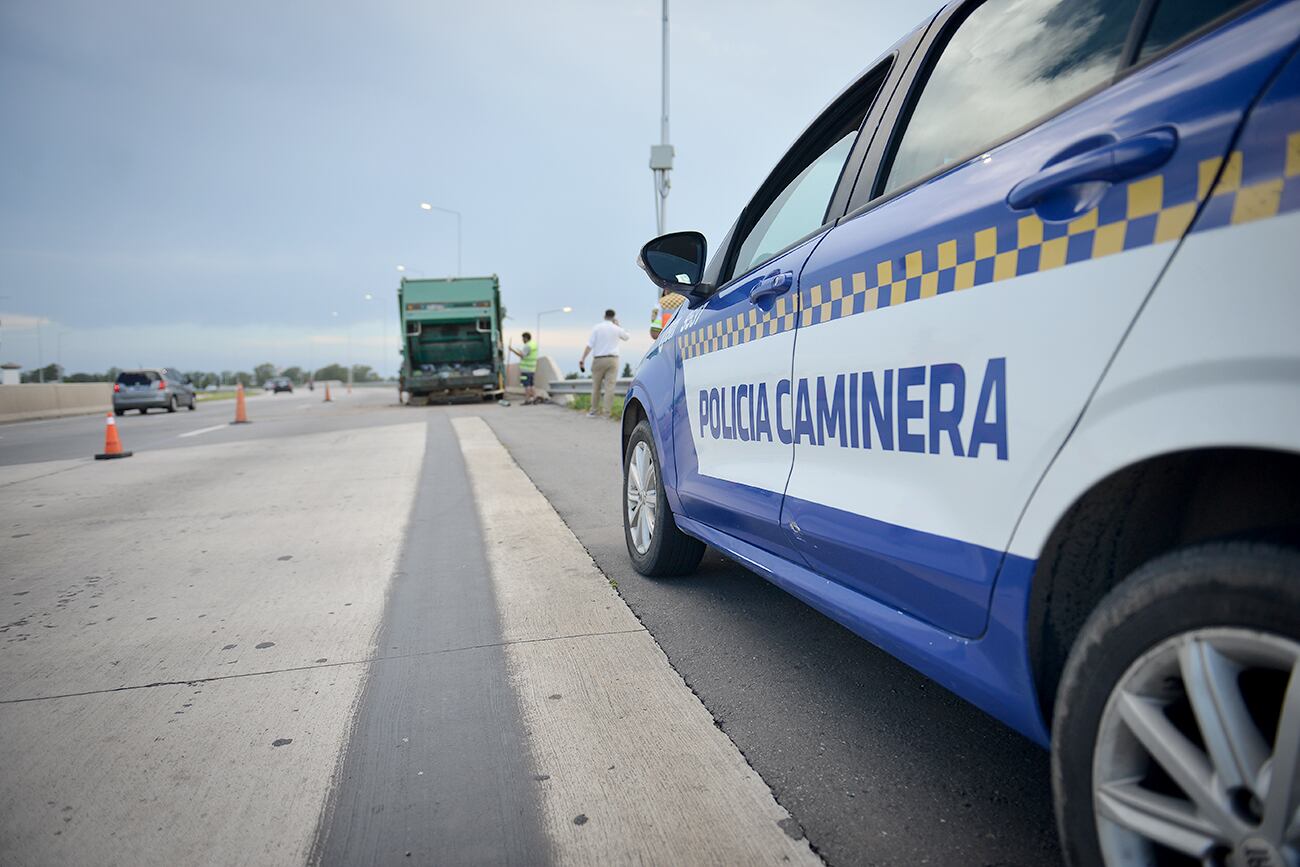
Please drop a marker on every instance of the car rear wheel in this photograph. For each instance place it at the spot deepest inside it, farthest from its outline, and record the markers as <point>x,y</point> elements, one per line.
<point>171,404</point>
<point>655,544</point>
<point>1177,734</point>
<point>119,412</point>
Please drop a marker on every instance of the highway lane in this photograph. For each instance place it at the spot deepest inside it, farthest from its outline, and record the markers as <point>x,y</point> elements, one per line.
<point>183,639</point>
<point>271,416</point>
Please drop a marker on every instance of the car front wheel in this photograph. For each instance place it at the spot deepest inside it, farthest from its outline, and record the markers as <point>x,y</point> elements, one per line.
<point>1177,732</point>
<point>655,544</point>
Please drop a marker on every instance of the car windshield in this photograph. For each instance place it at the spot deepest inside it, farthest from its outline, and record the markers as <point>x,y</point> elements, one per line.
<point>136,378</point>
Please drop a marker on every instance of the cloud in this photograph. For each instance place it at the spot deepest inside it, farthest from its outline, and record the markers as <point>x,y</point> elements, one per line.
<point>20,322</point>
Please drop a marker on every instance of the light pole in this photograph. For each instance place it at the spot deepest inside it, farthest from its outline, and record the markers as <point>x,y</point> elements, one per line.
<point>428,207</point>
<point>40,369</point>
<point>661,155</point>
<point>347,329</point>
<point>58,353</point>
<point>370,297</point>
<point>544,312</point>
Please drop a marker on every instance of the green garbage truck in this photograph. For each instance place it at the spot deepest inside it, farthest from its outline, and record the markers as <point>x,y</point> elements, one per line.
<point>451,339</point>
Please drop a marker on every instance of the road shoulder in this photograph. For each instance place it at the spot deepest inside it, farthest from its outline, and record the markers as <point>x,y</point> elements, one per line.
<point>634,768</point>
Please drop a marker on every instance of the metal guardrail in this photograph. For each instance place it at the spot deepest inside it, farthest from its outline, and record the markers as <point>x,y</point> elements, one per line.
<point>583,386</point>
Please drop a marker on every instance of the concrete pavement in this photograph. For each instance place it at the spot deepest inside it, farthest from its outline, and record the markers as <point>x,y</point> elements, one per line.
<point>277,415</point>
<point>183,642</point>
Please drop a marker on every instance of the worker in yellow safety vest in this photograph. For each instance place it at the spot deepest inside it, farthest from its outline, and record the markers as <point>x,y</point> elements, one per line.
<point>527,367</point>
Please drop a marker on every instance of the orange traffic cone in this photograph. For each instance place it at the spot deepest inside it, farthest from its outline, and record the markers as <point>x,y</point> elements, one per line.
<point>241,413</point>
<point>112,445</point>
<point>327,393</point>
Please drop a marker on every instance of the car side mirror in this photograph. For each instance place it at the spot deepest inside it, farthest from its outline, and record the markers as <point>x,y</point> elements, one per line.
<point>675,263</point>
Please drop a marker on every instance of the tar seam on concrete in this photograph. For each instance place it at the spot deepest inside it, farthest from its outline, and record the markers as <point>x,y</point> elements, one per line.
<point>190,565</point>
<point>634,769</point>
<point>436,770</point>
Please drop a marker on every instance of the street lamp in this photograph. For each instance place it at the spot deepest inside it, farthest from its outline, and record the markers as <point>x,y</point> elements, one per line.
<point>402,270</point>
<point>428,207</point>
<point>370,297</point>
<point>544,312</point>
<point>58,354</point>
<point>347,329</point>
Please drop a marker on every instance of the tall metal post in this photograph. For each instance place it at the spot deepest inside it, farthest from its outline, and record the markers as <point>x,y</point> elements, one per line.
<point>661,155</point>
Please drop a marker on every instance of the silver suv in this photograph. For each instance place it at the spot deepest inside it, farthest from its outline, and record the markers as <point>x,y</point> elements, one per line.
<point>154,387</point>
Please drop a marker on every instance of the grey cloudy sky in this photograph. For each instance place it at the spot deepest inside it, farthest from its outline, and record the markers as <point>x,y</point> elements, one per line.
<point>205,184</point>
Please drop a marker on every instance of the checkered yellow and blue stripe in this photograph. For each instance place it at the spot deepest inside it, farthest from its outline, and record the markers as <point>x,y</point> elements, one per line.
<point>750,324</point>
<point>1152,210</point>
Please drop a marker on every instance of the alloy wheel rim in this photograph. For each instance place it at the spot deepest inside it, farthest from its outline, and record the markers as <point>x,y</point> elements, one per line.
<point>642,497</point>
<point>1197,757</point>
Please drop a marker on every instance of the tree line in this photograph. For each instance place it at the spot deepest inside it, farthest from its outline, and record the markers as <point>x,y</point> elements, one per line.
<point>203,378</point>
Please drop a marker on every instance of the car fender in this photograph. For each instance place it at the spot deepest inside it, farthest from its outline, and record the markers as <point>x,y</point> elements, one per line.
<point>652,388</point>
<point>1194,373</point>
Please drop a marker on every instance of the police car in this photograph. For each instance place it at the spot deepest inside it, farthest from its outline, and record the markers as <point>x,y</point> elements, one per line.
<point>1000,368</point>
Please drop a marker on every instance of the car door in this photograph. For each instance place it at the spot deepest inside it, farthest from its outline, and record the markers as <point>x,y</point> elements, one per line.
<point>731,416</point>
<point>1025,191</point>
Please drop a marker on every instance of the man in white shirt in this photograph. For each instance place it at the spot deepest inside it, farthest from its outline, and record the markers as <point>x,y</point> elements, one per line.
<point>603,348</point>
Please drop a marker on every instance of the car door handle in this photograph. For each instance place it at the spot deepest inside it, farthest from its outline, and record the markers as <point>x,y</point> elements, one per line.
<point>1109,163</point>
<point>771,286</point>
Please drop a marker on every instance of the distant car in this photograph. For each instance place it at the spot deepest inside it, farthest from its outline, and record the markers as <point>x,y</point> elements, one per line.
<point>279,384</point>
<point>999,369</point>
<point>152,388</point>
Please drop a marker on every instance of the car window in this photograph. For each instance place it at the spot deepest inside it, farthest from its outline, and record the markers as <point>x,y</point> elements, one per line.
<point>1009,62</point>
<point>1174,19</point>
<point>137,378</point>
<point>798,209</point>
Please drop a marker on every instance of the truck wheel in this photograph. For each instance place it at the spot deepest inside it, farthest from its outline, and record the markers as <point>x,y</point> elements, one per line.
<point>1177,724</point>
<point>654,543</point>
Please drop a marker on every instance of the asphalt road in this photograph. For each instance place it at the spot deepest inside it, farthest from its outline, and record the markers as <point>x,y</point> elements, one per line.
<point>874,764</point>
<point>271,415</point>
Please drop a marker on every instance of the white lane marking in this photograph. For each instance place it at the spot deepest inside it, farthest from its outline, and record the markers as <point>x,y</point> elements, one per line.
<point>626,743</point>
<point>202,430</point>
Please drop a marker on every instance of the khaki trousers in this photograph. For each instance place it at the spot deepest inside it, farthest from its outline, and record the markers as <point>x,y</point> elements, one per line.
<point>604,372</point>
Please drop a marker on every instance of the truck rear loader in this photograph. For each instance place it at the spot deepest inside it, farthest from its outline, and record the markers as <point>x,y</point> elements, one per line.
<point>451,339</point>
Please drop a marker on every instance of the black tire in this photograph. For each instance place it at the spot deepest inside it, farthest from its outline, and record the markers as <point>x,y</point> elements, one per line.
<point>171,404</point>
<point>119,412</point>
<point>144,410</point>
<point>1250,586</point>
<point>670,552</point>
<point>194,401</point>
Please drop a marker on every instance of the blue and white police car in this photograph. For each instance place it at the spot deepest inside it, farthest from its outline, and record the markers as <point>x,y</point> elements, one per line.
<point>1000,368</point>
